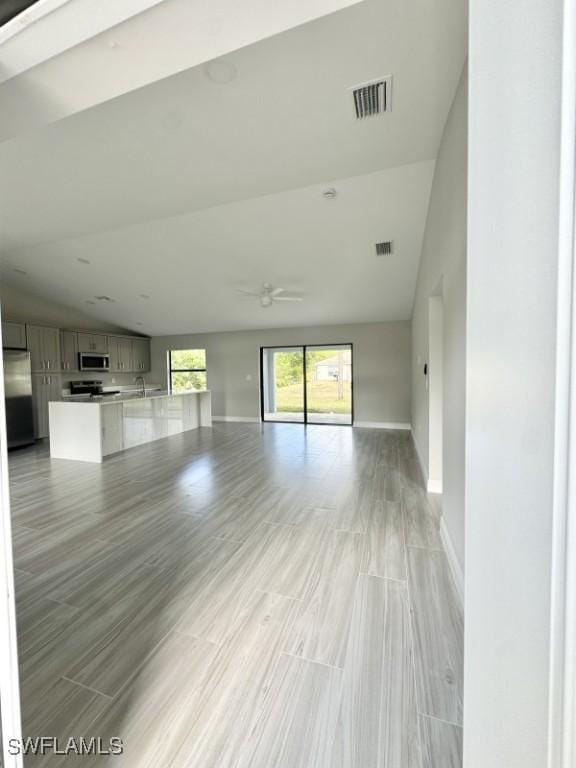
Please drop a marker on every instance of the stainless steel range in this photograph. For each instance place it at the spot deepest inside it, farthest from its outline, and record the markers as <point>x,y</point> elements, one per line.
<point>89,389</point>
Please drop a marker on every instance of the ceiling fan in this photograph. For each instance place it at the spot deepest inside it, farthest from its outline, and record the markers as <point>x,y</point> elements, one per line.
<point>269,294</point>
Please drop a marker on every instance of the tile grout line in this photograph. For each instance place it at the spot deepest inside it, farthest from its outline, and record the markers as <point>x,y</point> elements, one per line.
<point>440,720</point>
<point>57,601</point>
<point>190,636</point>
<point>311,661</point>
<point>411,629</point>
<point>226,538</point>
<point>384,578</point>
<point>87,687</point>
<point>278,594</point>
<point>223,472</point>
<point>426,549</point>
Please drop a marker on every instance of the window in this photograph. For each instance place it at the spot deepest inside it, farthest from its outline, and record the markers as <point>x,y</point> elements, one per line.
<point>13,8</point>
<point>187,369</point>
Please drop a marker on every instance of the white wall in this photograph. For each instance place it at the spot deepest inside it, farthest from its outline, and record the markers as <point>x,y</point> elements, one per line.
<point>435,392</point>
<point>27,307</point>
<point>515,50</point>
<point>24,307</point>
<point>381,366</point>
<point>444,263</point>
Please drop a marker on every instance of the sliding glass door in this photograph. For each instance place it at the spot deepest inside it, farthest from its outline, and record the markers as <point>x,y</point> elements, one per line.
<point>329,384</point>
<point>307,384</point>
<point>282,384</point>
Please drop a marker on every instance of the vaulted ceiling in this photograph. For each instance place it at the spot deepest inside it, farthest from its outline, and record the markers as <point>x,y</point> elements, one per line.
<point>211,179</point>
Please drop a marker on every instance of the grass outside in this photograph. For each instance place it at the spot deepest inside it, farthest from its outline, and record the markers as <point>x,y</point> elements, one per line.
<point>322,398</point>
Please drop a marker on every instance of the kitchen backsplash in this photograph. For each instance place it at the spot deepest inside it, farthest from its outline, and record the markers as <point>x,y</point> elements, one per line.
<point>107,379</point>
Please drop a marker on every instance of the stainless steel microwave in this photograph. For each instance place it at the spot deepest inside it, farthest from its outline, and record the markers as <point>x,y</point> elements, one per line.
<point>94,361</point>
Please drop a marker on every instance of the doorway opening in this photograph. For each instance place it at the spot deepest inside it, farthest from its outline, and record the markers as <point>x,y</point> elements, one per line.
<point>307,384</point>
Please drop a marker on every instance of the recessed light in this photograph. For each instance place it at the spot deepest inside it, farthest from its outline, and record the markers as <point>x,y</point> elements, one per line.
<point>220,71</point>
<point>144,296</point>
<point>20,271</point>
<point>83,261</point>
<point>329,194</point>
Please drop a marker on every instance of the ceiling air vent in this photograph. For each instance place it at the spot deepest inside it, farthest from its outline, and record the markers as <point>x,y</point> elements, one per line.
<point>372,98</point>
<point>384,248</point>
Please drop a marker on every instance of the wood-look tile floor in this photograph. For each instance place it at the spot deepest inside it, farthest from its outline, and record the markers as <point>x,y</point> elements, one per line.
<point>253,596</point>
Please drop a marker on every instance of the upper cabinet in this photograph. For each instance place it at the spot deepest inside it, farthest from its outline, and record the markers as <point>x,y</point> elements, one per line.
<point>44,346</point>
<point>69,350</point>
<point>92,342</point>
<point>54,350</point>
<point>141,355</point>
<point>14,335</point>
<point>121,359</point>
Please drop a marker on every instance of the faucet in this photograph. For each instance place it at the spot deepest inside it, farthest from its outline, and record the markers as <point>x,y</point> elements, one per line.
<point>141,378</point>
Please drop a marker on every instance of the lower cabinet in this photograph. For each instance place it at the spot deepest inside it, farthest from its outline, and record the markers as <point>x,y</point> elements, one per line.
<point>45,387</point>
<point>149,419</point>
<point>112,421</point>
<point>91,430</point>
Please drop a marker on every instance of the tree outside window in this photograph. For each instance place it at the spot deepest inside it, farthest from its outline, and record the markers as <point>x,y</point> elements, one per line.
<point>187,369</point>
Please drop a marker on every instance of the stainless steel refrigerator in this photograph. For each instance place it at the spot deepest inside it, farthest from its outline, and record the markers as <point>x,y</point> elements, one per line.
<point>18,388</point>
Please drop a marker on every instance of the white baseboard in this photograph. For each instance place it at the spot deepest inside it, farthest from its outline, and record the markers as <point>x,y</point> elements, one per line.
<point>251,419</point>
<point>453,561</point>
<point>361,424</point>
<point>382,425</point>
<point>433,486</point>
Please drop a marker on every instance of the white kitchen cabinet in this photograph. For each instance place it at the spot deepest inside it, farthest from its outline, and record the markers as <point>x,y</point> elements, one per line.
<point>44,346</point>
<point>139,423</point>
<point>112,425</point>
<point>89,431</point>
<point>92,342</point>
<point>52,348</point>
<point>114,354</point>
<point>34,338</point>
<point>191,413</point>
<point>120,349</point>
<point>141,355</point>
<point>69,350</point>
<point>14,335</point>
<point>46,388</point>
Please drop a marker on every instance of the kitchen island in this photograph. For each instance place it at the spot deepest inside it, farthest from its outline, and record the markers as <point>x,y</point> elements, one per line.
<point>91,429</point>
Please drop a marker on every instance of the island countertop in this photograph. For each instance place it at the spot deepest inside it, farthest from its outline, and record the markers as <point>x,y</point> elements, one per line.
<point>92,428</point>
<point>128,397</point>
